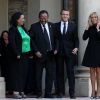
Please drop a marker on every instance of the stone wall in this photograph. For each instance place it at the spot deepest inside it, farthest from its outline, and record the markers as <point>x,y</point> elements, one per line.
<point>2,87</point>
<point>17,5</point>
<point>3,15</point>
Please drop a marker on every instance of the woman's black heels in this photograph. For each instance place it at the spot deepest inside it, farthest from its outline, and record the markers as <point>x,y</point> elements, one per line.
<point>19,95</point>
<point>97,97</point>
<point>94,97</point>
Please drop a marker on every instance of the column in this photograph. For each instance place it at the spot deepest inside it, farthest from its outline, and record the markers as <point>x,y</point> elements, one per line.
<point>3,15</point>
<point>3,26</point>
<point>85,7</point>
<point>2,87</point>
<point>53,7</point>
<point>65,4</point>
<point>50,5</point>
<point>33,10</point>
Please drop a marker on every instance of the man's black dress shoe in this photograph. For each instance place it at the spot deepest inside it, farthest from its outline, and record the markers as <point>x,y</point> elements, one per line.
<point>60,96</point>
<point>48,96</point>
<point>39,96</point>
<point>72,97</point>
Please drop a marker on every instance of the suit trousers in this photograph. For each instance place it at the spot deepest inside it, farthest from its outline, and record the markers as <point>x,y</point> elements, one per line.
<point>69,61</point>
<point>47,62</point>
<point>59,81</point>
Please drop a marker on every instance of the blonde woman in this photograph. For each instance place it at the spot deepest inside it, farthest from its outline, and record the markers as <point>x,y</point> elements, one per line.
<point>92,54</point>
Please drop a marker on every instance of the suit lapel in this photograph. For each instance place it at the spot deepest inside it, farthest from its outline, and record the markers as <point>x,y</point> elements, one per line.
<point>50,30</point>
<point>59,28</point>
<point>68,29</point>
<point>40,28</point>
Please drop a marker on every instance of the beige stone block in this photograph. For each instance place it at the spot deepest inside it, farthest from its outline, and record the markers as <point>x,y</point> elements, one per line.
<point>83,85</point>
<point>2,88</point>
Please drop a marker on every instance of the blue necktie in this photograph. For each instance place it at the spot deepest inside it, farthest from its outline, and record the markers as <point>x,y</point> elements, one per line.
<point>64,28</point>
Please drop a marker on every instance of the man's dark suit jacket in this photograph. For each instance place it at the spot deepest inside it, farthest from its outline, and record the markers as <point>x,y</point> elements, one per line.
<point>69,41</point>
<point>36,33</point>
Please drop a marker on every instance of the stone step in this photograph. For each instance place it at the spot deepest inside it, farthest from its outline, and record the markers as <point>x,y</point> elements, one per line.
<point>81,98</point>
<point>2,87</point>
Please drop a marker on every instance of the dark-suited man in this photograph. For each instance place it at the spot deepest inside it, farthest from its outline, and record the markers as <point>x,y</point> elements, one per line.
<point>43,36</point>
<point>68,47</point>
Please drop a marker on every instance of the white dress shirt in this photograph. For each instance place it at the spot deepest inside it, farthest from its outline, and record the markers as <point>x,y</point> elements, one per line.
<point>62,26</point>
<point>47,28</point>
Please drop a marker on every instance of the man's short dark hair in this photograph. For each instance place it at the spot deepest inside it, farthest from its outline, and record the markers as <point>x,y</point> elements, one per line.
<point>42,12</point>
<point>64,10</point>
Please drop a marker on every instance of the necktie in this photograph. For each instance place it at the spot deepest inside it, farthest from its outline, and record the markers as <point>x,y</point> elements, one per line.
<point>48,43</point>
<point>64,29</point>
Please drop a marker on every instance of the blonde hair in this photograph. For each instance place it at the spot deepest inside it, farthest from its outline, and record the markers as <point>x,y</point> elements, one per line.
<point>90,17</point>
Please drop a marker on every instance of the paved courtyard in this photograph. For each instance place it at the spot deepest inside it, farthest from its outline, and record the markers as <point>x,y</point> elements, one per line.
<point>83,98</point>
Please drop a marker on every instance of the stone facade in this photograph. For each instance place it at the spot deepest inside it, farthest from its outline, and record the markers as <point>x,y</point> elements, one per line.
<point>18,5</point>
<point>2,87</point>
<point>30,9</point>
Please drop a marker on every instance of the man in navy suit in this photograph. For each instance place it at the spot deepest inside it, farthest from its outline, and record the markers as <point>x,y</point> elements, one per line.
<point>68,47</point>
<point>42,34</point>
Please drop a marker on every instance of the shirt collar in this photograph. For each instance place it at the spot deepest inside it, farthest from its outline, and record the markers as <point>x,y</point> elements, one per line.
<point>63,22</point>
<point>46,24</point>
